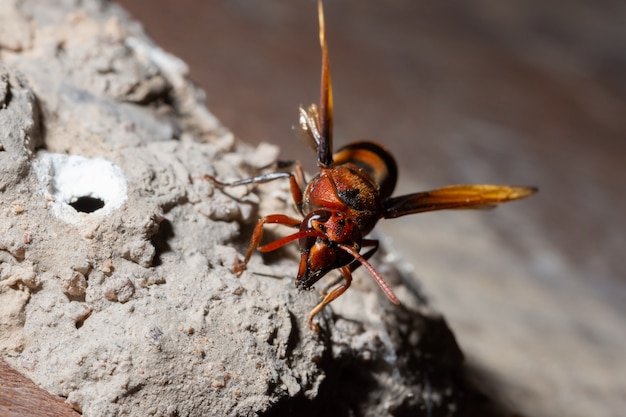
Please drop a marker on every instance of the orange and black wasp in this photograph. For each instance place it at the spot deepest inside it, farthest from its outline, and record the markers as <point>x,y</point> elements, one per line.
<point>345,200</point>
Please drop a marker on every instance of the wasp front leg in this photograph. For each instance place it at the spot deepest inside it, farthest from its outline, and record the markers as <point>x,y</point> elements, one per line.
<point>257,234</point>
<point>297,183</point>
<point>330,297</point>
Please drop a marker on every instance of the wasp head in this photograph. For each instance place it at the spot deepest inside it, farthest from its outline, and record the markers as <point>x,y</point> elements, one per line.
<point>320,252</point>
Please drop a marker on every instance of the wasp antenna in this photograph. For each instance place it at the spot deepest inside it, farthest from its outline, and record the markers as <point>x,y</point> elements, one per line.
<point>268,247</point>
<point>325,118</point>
<point>375,274</point>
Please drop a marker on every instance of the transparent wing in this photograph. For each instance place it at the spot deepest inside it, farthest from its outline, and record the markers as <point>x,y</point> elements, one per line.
<point>308,127</point>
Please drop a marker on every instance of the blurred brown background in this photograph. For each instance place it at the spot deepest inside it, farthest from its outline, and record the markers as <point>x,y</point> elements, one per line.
<point>519,92</point>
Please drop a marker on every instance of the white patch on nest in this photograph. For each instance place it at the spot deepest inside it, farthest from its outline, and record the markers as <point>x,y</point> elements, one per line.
<point>67,178</point>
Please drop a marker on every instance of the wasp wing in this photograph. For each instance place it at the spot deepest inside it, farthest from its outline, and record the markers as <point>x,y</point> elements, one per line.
<point>316,123</point>
<point>325,117</point>
<point>454,197</point>
<point>308,128</point>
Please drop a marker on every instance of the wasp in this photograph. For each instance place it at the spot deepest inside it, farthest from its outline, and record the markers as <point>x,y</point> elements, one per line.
<point>345,200</point>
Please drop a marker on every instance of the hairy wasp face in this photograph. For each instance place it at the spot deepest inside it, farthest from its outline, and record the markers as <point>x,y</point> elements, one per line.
<point>320,252</point>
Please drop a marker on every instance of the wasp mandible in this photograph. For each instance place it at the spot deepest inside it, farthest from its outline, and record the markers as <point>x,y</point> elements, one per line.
<point>345,200</point>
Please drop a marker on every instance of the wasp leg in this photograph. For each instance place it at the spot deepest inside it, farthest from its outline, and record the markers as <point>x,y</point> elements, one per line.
<point>297,182</point>
<point>326,288</point>
<point>257,234</point>
<point>259,179</point>
<point>347,276</point>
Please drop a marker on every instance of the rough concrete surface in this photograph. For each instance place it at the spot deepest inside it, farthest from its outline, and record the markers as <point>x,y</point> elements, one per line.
<point>116,290</point>
<point>519,92</point>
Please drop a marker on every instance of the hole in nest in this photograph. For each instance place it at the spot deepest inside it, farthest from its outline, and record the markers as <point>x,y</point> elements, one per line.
<point>87,204</point>
<point>75,186</point>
